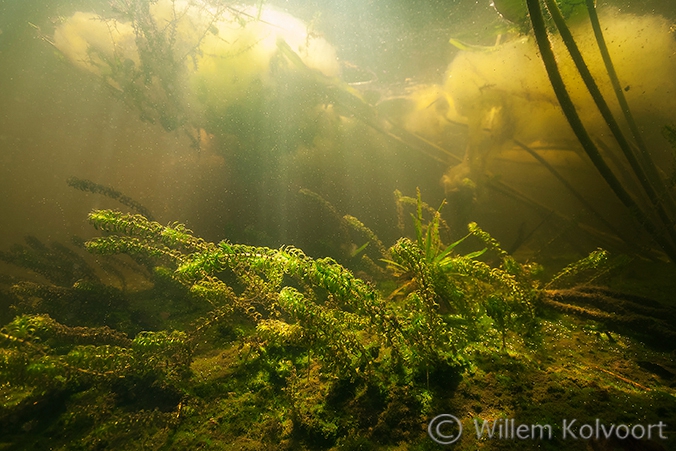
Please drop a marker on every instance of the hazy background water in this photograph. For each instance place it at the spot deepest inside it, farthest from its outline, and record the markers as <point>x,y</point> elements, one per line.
<point>57,121</point>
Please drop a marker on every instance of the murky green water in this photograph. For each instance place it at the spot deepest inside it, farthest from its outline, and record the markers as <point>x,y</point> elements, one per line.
<point>313,125</point>
<point>61,120</point>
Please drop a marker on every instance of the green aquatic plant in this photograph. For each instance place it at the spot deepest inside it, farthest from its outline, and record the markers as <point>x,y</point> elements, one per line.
<point>42,353</point>
<point>85,381</point>
<point>593,261</point>
<point>303,316</point>
<point>461,288</point>
<point>347,223</point>
<point>302,345</point>
<point>56,262</point>
<point>95,188</point>
<point>260,271</point>
<point>345,323</point>
<point>635,315</point>
<point>62,281</point>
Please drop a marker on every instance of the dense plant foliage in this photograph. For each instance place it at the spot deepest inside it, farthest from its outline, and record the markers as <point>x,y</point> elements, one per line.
<point>339,353</point>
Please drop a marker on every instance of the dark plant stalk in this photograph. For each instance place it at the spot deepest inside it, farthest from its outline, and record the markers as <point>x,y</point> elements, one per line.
<point>547,55</point>
<point>548,214</point>
<point>570,188</point>
<point>604,109</point>
<point>95,188</point>
<point>647,162</point>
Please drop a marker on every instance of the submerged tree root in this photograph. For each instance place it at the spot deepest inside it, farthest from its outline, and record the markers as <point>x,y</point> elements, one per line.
<point>635,314</point>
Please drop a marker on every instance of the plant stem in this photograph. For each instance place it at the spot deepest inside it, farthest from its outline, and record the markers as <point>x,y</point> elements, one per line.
<point>604,109</point>
<point>647,162</point>
<point>547,55</point>
<point>571,188</point>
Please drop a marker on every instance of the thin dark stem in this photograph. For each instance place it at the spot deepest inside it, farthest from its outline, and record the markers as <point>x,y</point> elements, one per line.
<point>570,188</point>
<point>644,156</point>
<point>604,109</point>
<point>547,54</point>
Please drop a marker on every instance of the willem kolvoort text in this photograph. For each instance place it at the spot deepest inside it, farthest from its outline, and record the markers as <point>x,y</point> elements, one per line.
<point>571,430</point>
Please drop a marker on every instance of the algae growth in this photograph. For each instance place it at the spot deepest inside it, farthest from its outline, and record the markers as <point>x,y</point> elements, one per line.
<point>271,349</point>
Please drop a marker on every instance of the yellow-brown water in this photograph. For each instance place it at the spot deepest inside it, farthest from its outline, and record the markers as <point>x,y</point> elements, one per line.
<point>266,124</point>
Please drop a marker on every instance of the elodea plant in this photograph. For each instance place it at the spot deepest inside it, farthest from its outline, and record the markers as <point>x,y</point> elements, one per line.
<point>336,355</point>
<point>315,305</point>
